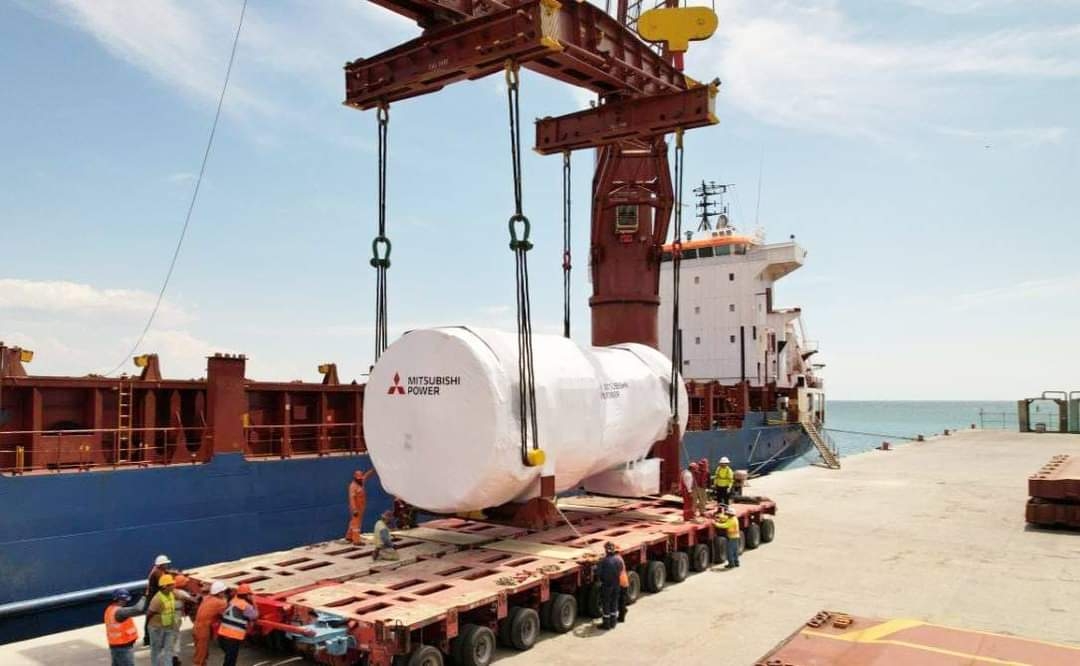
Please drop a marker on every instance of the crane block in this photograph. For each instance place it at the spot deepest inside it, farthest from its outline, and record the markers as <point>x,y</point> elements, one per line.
<point>677,26</point>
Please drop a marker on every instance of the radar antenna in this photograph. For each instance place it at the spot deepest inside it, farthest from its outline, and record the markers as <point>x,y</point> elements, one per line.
<point>707,207</point>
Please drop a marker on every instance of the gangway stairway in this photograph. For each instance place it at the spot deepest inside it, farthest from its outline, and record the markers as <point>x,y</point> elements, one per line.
<point>824,447</point>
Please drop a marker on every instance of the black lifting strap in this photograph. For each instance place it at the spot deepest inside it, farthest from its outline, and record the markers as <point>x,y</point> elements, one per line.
<point>520,246</point>
<point>380,246</point>
<point>566,243</point>
<point>676,262</point>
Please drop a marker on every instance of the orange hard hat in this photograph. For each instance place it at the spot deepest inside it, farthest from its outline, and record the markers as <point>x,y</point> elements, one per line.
<point>243,589</point>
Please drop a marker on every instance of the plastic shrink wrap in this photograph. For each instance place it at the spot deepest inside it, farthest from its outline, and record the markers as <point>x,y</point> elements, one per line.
<point>442,426</point>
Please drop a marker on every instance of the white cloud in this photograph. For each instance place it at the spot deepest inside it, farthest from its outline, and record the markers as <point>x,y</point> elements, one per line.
<point>77,299</point>
<point>809,66</point>
<point>1027,137</point>
<point>186,45</point>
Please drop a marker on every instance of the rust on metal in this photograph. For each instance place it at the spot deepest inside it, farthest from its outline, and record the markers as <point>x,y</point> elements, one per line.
<point>839,639</point>
<point>636,120</point>
<point>57,424</point>
<point>1058,479</point>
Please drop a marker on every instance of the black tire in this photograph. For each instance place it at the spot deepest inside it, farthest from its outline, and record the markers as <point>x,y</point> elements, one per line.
<point>589,602</point>
<point>768,530</point>
<point>678,566</point>
<point>562,613</point>
<point>524,628</point>
<point>752,536</point>
<point>699,557</point>
<point>474,646</point>
<point>719,549</point>
<point>633,591</point>
<point>655,576</point>
<point>425,655</point>
<point>503,631</point>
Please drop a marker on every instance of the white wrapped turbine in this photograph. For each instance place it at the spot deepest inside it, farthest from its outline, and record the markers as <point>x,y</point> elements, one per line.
<point>442,428</point>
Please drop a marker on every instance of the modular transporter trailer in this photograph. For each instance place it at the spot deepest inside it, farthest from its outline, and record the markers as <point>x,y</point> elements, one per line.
<point>461,585</point>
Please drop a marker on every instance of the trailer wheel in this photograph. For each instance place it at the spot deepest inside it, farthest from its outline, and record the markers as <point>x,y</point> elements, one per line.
<point>699,557</point>
<point>655,576</point>
<point>425,655</point>
<point>589,602</point>
<point>719,550</point>
<point>678,566</point>
<point>474,646</point>
<point>524,628</point>
<point>561,613</point>
<point>768,530</point>
<point>633,590</point>
<point>752,536</point>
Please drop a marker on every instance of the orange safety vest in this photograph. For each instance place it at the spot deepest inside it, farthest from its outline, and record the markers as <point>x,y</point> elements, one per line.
<point>122,633</point>
<point>233,622</point>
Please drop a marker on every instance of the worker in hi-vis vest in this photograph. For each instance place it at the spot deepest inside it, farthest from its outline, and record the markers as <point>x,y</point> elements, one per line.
<point>728,525</point>
<point>235,620</point>
<point>120,628</point>
<point>357,504</point>
<point>723,480</point>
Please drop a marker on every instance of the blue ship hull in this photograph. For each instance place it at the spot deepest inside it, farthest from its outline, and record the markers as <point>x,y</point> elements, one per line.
<point>77,531</point>
<point>756,446</point>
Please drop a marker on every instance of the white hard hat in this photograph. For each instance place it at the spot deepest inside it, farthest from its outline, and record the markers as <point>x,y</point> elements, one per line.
<point>217,587</point>
<point>161,560</point>
<point>729,511</point>
<point>725,460</point>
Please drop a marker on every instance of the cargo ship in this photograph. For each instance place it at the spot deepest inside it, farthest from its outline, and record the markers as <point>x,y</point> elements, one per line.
<point>99,475</point>
<point>756,397</point>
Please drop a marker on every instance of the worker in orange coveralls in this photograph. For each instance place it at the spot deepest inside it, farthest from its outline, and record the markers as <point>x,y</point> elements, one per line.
<point>207,618</point>
<point>357,503</point>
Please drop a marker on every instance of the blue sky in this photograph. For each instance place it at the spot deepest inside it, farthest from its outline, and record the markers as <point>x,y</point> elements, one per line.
<point>924,151</point>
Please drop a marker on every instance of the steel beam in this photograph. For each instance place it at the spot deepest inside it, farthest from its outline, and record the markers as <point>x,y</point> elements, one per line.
<point>637,119</point>
<point>575,42</point>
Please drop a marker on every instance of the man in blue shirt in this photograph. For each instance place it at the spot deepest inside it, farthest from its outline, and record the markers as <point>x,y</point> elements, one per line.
<point>384,542</point>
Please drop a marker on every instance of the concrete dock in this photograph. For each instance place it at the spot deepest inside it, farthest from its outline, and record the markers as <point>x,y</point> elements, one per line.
<point>933,531</point>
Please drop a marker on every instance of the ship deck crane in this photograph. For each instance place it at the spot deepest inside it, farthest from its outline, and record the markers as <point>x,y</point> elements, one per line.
<point>643,96</point>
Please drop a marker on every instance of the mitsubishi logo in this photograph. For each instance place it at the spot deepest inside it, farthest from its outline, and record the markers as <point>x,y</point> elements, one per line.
<point>397,387</point>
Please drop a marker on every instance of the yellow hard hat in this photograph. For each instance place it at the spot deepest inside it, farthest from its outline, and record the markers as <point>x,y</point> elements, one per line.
<point>165,579</point>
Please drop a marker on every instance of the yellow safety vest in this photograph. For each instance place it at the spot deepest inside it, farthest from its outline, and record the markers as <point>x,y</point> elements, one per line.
<point>725,477</point>
<point>167,615</point>
<point>731,524</point>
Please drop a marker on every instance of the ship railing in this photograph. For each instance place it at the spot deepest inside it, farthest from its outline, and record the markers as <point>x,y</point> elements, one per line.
<point>83,449</point>
<point>303,439</point>
<point>720,421</point>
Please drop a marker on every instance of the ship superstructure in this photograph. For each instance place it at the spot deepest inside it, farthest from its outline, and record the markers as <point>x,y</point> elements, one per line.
<point>755,396</point>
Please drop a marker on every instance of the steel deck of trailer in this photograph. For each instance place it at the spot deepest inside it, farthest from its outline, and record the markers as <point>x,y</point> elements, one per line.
<point>333,602</point>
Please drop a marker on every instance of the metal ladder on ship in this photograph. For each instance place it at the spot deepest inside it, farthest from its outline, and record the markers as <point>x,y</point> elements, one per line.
<point>827,452</point>
<point>124,398</point>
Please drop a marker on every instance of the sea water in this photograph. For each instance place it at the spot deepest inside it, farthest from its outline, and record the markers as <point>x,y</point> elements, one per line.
<point>893,421</point>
